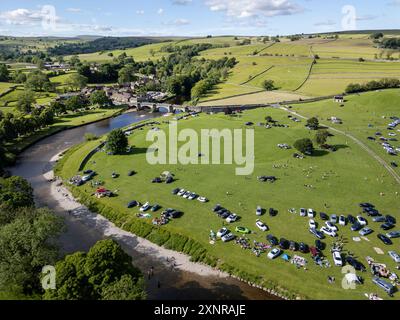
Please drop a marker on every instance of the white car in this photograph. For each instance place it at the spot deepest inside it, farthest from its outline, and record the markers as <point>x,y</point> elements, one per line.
<point>192,196</point>
<point>228,237</point>
<point>331,226</point>
<point>312,224</point>
<point>362,221</point>
<point>337,259</point>
<point>202,199</point>
<point>311,213</point>
<point>303,212</point>
<point>145,207</point>
<point>395,256</point>
<point>261,225</point>
<point>275,253</point>
<point>222,232</point>
<point>232,218</point>
<point>328,231</point>
<point>187,195</point>
<point>342,220</point>
<point>181,192</point>
<point>259,211</point>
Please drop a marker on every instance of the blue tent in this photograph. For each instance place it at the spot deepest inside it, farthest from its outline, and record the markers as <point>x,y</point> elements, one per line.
<point>285,257</point>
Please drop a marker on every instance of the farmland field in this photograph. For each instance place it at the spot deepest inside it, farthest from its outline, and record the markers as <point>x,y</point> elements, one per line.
<point>330,182</point>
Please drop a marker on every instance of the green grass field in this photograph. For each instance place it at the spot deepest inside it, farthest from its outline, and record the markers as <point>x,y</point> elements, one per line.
<point>5,86</point>
<point>370,108</point>
<point>339,182</point>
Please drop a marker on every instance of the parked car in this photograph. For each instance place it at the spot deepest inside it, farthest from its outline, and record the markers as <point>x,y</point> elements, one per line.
<point>272,240</point>
<point>351,219</point>
<point>395,256</point>
<point>176,191</point>
<point>324,216</point>
<point>187,194</point>
<point>259,211</point>
<point>232,218</point>
<point>181,192</point>
<point>362,221</point>
<point>393,234</point>
<point>303,212</point>
<point>202,199</point>
<point>217,208</point>
<point>225,215</point>
<point>328,231</point>
<point>366,205</point>
<point>355,263</point>
<point>228,237</point>
<point>132,204</point>
<point>169,180</point>
<point>388,287</point>
<point>222,232</point>
<point>387,226</point>
<point>145,207</point>
<point>379,219</point>
<point>261,225</point>
<point>317,233</point>
<point>304,248</point>
<point>337,259</point>
<point>312,224</point>
<point>155,208</point>
<point>331,226</point>
<point>284,244</point>
<point>273,212</point>
<point>334,219</point>
<point>243,230</point>
<point>293,246</point>
<point>342,220</point>
<point>192,196</point>
<point>311,213</point>
<point>356,227</point>
<point>385,239</point>
<point>366,231</point>
<point>275,253</point>
<point>131,173</point>
<point>371,212</point>
<point>391,219</point>
<point>320,245</point>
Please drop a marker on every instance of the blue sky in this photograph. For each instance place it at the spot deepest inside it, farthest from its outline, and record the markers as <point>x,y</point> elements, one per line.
<point>193,17</point>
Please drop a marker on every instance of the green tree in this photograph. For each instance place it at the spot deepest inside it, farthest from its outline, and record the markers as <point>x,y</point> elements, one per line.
<point>313,123</point>
<point>322,137</point>
<point>105,272</point>
<point>36,81</point>
<point>4,74</point>
<point>26,246</point>
<point>305,146</point>
<point>117,142</point>
<point>26,99</point>
<point>74,103</point>
<point>124,289</point>
<point>16,192</point>
<point>99,98</point>
<point>269,85</point>
<point>126,74</point>
<point>74,61</point>
<point>77,81</point>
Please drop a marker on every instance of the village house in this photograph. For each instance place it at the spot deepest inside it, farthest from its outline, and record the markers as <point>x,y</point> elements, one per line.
<point>339,99</point>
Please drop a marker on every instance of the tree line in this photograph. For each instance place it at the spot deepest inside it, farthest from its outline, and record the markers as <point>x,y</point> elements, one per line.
<point>28,243</point>
<point>385,83</point>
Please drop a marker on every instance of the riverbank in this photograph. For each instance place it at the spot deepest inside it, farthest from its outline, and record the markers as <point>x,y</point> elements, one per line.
<point>26,142</point>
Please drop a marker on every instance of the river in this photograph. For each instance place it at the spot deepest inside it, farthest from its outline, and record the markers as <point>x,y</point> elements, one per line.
<point>166,284</point>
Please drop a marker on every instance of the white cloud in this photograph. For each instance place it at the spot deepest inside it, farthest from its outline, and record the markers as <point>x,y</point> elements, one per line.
<point>178,22</point>
<point>160,11</point>
<point>254,8</point>
<point>181,2</point>
<point>140,12</point>
<point>23,16</point>
<point>394,3</point>
<point>366,18</point>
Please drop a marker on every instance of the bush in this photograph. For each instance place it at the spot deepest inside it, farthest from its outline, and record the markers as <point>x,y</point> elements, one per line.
<point>385,83</point>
